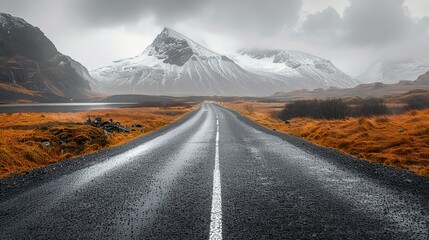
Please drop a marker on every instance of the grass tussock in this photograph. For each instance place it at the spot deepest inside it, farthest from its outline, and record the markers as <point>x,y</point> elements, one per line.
<point>401,141</point>
<point>33,140</point>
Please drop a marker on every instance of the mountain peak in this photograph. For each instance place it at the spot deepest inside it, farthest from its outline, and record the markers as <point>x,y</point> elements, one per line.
<point>175,48</point>
<point>8,21</point>
<point>173,33</point>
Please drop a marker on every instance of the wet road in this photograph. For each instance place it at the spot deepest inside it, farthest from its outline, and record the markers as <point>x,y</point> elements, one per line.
<point>215,175</point>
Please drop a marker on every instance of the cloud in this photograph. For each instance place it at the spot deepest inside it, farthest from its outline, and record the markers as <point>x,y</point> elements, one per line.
<point>264,17</point>
<point>261,17</point>
<point>366,23</point>
<point>108,13</point>
<point>326,22</point>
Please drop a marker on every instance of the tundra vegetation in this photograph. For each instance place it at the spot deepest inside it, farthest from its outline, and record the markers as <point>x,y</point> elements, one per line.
<point>33,140</point>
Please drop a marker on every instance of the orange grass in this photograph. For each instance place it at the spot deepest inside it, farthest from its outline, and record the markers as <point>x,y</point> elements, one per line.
<point>22,134</point>
<point>401,141</point>
<point>17,88</point>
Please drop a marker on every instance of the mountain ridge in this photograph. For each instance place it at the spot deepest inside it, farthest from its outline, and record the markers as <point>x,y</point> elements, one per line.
<point>302,70</point>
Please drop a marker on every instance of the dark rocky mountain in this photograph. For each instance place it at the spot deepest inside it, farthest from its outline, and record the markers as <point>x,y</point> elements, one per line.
<point>30,61</point>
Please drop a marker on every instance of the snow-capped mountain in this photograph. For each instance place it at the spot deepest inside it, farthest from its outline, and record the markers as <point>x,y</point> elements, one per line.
<point>176,65</point>
<point>387,71</point>
<point>300,70</point>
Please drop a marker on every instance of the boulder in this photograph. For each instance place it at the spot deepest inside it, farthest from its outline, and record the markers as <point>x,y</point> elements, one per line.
<point>88,121</point>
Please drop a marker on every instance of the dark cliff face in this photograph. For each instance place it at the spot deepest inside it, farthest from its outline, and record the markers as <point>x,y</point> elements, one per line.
<point>29,59</point>
<point>174,51</point>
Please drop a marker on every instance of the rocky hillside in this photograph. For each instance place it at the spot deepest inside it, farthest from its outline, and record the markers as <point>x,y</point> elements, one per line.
<point>30,61</point>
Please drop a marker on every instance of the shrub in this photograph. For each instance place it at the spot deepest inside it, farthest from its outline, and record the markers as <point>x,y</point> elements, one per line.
<point>319,109</point>
<point>371,107</point>
<point>417,102</point>
<point>333,109</point>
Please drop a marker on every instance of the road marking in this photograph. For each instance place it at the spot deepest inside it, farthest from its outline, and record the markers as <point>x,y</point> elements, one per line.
<point>216,214</point>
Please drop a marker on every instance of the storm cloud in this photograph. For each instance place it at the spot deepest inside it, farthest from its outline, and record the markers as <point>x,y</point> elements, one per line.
<point>334,29</point>
<point>263,17</point>
<point>366,23</point>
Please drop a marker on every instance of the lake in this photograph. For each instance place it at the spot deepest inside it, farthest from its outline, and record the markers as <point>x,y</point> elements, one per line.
<point>60,107</point>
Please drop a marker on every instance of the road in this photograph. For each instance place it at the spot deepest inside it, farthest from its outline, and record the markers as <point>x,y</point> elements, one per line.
<point>215,175</point>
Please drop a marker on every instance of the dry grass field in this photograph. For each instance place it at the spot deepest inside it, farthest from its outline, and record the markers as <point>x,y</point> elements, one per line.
<point>33,140</point>
<point>401,141</point>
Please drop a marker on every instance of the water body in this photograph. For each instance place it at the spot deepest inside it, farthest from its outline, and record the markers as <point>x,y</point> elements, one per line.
<point>61,107</point>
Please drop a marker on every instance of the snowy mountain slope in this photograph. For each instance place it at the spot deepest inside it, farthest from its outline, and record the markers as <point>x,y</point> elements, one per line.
<point>300,70</point>
<point>393,71</point>
<point>176,65</point>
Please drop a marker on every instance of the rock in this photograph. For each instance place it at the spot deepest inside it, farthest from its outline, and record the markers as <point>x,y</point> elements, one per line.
<point>64,136</point>
<point>401,130</point>
<point>109,126</point>
<point>141,130</point>
<point>136,125</point>
<point>88,121</point>
<point>123,130</point>
<point>47,143</point>
<point>63,143</point>
<point>81,140</point>
<point>97,121</point>
<point>106,132</point>
<point>274,130</point>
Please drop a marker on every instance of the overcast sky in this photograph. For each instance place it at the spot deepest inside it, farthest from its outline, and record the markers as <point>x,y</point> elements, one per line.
<point>351,33</point>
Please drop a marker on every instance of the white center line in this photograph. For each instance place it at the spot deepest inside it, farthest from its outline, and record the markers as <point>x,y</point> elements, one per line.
<point>216,214</point>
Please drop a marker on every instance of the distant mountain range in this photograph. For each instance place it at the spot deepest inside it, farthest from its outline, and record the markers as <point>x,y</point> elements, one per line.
<point>377,89</point>
<point>388,71</point>
<point>32,68</point>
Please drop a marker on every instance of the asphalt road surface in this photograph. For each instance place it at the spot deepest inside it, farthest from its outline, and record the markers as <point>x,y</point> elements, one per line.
<point>215,175</point>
